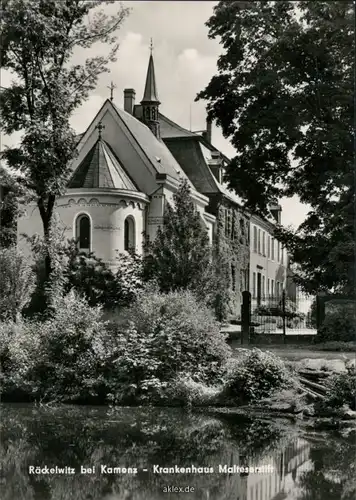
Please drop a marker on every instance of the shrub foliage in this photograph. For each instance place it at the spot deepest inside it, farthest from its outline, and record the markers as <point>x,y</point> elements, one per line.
<point>338,326</point>
<point>17,282</point>
<point>74,356</point>
<point>342,388</point>
<point>169,334</point>
<point>254,375</point>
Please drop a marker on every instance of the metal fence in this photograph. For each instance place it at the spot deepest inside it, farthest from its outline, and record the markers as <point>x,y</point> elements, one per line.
<point>282,315</point>
<point>277,315</point>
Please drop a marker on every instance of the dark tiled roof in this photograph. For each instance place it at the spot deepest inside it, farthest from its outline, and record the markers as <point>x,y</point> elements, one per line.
<point>188,154</point>
<point>169,129</point>
<point>101,169</point>
<point>155,150</point>
<point>187,148</point>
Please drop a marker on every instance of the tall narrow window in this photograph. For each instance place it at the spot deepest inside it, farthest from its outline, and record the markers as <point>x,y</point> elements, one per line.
<point>269,247</point>
<point>263,287</point>
<point>259,241</point>
<point>272,288</point>
<point>233,278</point>
<point>82,232</point>
<point>268,287</point>
<point>227,223</point>
<point>282,256</point>
<point>129,233</point>
<point>254,286</point>
<point>272,245</point>
<point>278,251</point>
<point>259,288</point>
<point>254,238</point>
<point>264,243</point>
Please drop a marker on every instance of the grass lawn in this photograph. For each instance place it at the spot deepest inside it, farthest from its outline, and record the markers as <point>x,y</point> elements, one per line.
<point>300,352</point>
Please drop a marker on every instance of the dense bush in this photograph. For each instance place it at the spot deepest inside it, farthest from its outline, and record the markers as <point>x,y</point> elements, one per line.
<point>93,278</point>
<point>341,388</point>
<point>74,356</point>
<point>56,359</point>
<point>67,365</point>
<point>169,334</point>
<point>184,391</point>
<point>19,344</point>
<point>87,275</point>
<point>339,326</point>
<point>17,282</point>
<point>255,374</point>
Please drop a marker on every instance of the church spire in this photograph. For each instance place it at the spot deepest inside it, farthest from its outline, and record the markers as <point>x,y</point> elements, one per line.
<point>150,101</point>
<point>150,94</point>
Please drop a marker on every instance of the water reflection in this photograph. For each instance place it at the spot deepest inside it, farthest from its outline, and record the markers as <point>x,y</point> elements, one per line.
<point>142,438</point>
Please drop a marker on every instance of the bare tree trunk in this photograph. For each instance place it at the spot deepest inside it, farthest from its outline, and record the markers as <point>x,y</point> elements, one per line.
<point>46,216</point>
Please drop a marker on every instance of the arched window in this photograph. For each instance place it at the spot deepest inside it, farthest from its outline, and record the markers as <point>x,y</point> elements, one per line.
<point>83,232</point>
<point>129,233</point>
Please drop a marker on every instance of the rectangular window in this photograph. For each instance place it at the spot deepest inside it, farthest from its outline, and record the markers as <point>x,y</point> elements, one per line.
<point>268,287</point>
<point>233,278</point>
<point>272,245</point>
<point>272,288</point>
<point>263,287</point>
<point>227,223</point>
<point>264,243</point>
<point>247,280</point>
<point>269,247</point>
<point>278,251</point>
<point>259,288</point>
<point>282,256</point>
<point>254,286</point>
<point>269,485</point>
<point>277,288</point>
<point>254,238</point>
<point>259,241</point>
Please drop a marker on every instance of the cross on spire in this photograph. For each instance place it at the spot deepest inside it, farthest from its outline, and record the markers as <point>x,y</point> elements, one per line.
<point>100,128</point>
<point>151,46</point>
<point>112,87</point>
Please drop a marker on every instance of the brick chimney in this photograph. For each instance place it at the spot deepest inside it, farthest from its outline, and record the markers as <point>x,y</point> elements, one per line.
<point>208,129</point>
<point>129,100</point>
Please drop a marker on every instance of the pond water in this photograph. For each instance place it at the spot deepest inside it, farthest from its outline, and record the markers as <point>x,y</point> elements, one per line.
<point>98,454</point>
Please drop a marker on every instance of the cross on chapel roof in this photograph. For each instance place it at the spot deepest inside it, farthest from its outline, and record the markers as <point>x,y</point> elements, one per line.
<point>100,128</point>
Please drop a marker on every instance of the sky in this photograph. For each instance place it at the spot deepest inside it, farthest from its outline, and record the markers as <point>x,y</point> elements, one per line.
<point>185,60</point>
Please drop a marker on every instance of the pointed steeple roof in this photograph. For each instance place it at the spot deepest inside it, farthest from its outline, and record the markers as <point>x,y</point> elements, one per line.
<point>101,169</point>
<point>150,94</point>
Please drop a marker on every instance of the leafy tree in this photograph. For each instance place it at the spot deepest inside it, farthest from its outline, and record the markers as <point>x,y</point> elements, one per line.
<point>17,283</point>
<point>38,39</point>
<point>284,96</point>
<point>12,195</point>
<point>180,256</point>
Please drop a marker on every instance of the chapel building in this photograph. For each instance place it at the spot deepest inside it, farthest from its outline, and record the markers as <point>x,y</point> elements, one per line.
<point>130,163</point>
